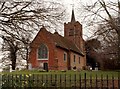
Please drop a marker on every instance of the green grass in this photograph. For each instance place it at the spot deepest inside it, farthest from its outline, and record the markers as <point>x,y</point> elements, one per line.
<point>82,73</point>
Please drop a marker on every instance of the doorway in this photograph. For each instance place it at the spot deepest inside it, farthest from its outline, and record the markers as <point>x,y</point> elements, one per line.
<point>45,66</point>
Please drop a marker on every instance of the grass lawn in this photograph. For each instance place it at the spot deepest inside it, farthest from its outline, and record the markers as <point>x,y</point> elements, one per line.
<point>82,73</point>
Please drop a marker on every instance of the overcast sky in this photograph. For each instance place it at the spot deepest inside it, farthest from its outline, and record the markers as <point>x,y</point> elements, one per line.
<point>78,10</point>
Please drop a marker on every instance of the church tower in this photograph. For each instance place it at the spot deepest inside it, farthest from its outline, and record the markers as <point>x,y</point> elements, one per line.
<point>73,32</point>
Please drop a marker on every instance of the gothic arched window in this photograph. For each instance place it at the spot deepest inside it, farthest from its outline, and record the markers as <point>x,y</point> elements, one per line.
<point>43,52</point>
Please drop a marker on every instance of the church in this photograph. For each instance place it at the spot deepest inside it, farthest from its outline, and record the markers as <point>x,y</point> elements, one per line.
<point>51,51</point>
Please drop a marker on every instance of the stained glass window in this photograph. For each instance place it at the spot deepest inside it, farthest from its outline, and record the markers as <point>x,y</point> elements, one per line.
<point>42,52</point>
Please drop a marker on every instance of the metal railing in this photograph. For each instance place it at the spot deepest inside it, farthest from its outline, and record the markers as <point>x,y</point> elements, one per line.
<point>59,81</point>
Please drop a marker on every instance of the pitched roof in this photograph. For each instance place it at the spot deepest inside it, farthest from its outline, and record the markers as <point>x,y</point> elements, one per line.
<point>61,41</point>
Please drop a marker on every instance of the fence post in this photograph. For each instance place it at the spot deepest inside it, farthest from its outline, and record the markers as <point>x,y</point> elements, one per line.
<point>55,80</point>
<point>85,80</point>
<point>91,81</point>
<point>96,82</point>
<point>113,81</point>
<point>33,82</point>
<point>118,80</point>
<point>37,80</point>
<point>47,80</point>
<point>12,79</point>
<point>60,81</point>
<point>70,79</point>
<point>20,79</point>
<point>65,80</point>
<point>80,81</point>
<point>0,81</point>
<point>29,81</point>
<point>75,81</point>
<point>42,81</point>
<point>101,81</point>
<point>51,79</point>
<point>107,82</point>
<point>8,84</point>
<point>24,80</point>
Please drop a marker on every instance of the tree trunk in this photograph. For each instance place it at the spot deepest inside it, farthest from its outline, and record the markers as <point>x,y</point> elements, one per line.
<point>119,50</point>
<point>27,57</point>
<point>118,34</point>
<point>13,64</point>
<point>13,59</point>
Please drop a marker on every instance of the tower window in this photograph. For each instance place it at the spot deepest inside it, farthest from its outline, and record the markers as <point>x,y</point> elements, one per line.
<point>71,32</point>
<point>42,52</point>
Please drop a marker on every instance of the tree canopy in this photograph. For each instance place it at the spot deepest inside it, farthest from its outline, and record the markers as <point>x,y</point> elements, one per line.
<point>104,17</point>
<point>19,21</point>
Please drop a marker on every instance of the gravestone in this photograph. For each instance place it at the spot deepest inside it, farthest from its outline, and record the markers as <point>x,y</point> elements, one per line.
<point>29,66</point>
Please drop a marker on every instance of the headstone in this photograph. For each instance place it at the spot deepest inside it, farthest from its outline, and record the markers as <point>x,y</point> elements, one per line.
<point>10,68</point>
<point>29,66</point>
<point>96,68</point>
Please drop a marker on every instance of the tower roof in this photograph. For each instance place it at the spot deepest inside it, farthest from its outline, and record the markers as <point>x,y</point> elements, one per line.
<point>73,16</point>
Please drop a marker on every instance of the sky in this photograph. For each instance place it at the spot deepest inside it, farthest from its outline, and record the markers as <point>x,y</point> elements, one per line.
<point>78,10</point>
<point>78,13</point>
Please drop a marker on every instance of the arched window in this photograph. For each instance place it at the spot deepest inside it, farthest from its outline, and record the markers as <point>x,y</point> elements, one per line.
<point>42,52</point>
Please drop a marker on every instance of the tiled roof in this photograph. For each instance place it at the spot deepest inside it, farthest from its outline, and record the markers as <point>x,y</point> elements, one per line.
<point>63,42</point>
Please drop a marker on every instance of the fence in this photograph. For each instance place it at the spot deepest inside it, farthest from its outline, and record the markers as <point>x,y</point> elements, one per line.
<point>59,81</point>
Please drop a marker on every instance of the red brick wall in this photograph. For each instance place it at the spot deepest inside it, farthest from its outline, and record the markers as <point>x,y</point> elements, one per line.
<point>55,60</point>
<point>32,57</point>
<point>62,65</point>
<point>76,63</point>
<point>42,37</point>
<point>79,66</point>
<point>77,39</point>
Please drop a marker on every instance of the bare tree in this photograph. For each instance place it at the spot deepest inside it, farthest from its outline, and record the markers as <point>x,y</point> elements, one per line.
<point>109,49</point>
<point>106,12</point>
<point>92,51</point>
<point>11,46</point>
<point>19,21</point>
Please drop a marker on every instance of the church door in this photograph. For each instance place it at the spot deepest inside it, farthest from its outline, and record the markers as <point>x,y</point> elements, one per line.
<point>45,66</point>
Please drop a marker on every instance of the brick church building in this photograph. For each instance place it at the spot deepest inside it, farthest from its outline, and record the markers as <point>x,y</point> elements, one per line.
<point>55,52</point>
